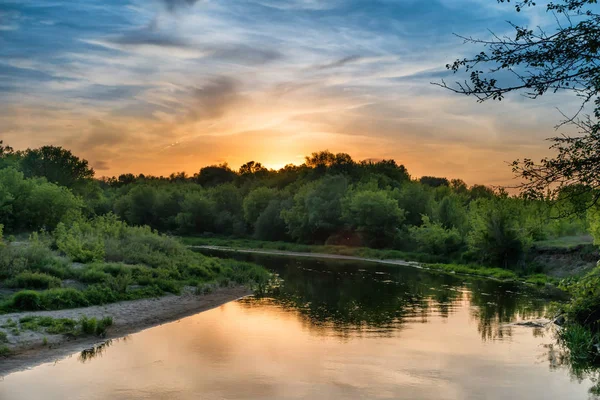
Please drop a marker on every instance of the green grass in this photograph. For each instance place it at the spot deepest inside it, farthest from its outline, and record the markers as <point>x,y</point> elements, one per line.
<point>128,263</point>
<point>66,326</point>
<point>4,351</point>
<point>496,273</point>
<point>565,242</point>
<point>431,262</point>
<point>364,252</point>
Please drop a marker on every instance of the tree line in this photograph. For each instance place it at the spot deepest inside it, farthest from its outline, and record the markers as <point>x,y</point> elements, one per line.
<point>330,199</point>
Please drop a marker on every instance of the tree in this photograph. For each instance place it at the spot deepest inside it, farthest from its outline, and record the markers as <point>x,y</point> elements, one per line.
<point>496,236</point>
<point>252,168</point>
<point>57,165</point>
<point>537,62</point>
<point>434,181</point>
<point>214,175</point>
<point>256,202</point>
<point>375,214</point>
<point>33,204</point>
<point>316,212</point>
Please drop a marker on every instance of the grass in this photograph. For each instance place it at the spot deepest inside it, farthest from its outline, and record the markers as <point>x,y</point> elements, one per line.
<point>431,262</point>
<point>364,252</point>
<point>4,351</point>
<point>66,326</point>
<point>125,263</point>
<point>496,273</point>
<point>565,242</point>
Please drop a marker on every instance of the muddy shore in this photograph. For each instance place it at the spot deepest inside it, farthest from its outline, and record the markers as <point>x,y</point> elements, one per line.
<point>28,349</point>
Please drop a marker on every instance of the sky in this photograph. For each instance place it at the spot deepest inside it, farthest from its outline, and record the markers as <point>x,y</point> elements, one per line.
<point>159,86</point>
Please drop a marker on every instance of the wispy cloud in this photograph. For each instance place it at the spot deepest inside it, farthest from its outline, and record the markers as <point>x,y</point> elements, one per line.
<point>120,81</point>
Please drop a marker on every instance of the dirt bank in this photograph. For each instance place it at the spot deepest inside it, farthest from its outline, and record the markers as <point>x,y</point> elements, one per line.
<point>28,348</point>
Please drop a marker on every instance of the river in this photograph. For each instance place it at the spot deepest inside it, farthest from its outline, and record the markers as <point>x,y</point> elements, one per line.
<point>333,330</point>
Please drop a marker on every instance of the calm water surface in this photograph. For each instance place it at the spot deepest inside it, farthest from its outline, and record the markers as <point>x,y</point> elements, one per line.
<point>335,330</point>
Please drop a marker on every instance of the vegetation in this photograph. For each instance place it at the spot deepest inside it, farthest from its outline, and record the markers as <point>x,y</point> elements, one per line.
<point>98,241</point>
<point>541,62</point>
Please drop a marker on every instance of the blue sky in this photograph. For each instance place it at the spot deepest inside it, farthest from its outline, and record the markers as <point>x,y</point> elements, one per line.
<point>157,86</point>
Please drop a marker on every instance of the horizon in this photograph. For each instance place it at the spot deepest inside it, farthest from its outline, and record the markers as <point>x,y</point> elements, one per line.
<point>160,86</point>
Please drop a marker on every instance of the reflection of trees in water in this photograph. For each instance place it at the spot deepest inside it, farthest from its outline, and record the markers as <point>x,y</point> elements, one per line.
<point>496,304</point>
<point>337,295</point>
<point>98,350</point>
<point>559,357</point>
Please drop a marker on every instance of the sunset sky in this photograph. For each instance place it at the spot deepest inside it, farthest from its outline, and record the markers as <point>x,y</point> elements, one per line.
<point>161,86</point>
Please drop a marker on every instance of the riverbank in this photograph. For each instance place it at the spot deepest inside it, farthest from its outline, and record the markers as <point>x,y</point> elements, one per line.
<point>31,348</point>
<point>376,256</point>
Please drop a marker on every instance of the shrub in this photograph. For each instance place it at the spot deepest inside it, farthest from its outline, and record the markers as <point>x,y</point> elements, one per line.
<point>432,237</point>
<point>57,299</point>
<point>88,325</point>
<point>99,294</point>
<point>34,280</point>
<point>92,275</point>
<point>4,351</point>
<point>27,300</point>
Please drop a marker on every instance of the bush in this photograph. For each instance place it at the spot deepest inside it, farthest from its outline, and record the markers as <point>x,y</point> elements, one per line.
<point>58,299</point>
<point>496,236</point>
<point>27,300</point>
<point>432,237</point>
<point>34,280</point>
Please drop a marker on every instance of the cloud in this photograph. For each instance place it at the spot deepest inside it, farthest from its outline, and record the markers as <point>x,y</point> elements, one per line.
<point>151,38</point>
<point>244,54</point>
<point>173,5</point>
<point>339,63</point>
<point>100,165</point>
<point>214,98</point>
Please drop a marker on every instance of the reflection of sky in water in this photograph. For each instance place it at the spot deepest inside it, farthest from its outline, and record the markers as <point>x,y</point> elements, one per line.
<point>257,349</point>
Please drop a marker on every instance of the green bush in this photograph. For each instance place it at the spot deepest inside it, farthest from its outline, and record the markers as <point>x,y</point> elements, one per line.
<point>4,351</point>
<point>34,280</point>
<point>27,300</point>
<point>432,237</point>
<point>58,299</point>
<point>99,294</point>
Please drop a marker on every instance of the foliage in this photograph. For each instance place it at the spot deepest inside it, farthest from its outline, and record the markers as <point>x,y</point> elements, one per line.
<point>56,164</point>
<point>496,236</point>
<point>33,280</point>
<point>433,237</point>
<point>33,204</point>
<point>256,202</point>
<point>563,60</point>
<point>374,213</point>
<point>316,212</point>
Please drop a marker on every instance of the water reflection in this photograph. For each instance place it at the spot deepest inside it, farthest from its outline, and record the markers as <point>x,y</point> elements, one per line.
<point>98,349</point>
<point>332,330</point>
<point>381,298</point>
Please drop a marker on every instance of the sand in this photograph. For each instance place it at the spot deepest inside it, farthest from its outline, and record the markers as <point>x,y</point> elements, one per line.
<point>28,349</point>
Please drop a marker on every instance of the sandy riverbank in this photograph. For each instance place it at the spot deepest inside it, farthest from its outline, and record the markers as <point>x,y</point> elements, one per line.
<point>129,317</point>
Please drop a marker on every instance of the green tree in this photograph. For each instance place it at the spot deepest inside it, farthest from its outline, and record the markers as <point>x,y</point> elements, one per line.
<point>270,225</point>
<point>417,200</point>
<point>538,62</point>
<point>373,213</point>
<point>435,238</point>
<point>57,165</point>
<point>316,212</point>
<point>33,204</point>
<point>197,213</point>
<point>214,175</point>
<point>256,202</point>
<point>496,236</point>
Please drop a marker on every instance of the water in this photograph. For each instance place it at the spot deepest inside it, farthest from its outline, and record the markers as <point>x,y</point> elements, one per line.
<point>335,330</point>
